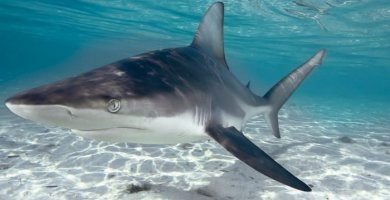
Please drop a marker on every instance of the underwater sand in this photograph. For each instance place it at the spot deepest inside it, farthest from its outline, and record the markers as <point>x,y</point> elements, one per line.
<point>341,156</point>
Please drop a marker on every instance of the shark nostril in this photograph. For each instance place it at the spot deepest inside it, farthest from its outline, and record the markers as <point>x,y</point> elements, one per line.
<point>71,115</point>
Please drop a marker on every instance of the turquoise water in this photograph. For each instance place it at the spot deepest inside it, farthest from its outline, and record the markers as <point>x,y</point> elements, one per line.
<point>347,97</point>
<point>263,39</point>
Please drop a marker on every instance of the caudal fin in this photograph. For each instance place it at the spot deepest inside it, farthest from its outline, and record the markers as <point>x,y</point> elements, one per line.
<point>281,91</point>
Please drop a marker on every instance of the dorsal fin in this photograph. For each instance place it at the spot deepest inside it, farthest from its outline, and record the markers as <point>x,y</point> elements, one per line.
<point>209,36</point>
<point>248,85</point>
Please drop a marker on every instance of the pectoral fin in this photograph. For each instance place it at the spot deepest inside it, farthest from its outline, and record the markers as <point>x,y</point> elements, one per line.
<point>237,144</point>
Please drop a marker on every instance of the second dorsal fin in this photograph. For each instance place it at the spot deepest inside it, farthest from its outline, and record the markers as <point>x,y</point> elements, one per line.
<point>248,85</point>
<point>209,36</point>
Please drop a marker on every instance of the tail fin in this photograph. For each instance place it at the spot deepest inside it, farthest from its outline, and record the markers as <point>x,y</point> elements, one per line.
<point>281,91</point>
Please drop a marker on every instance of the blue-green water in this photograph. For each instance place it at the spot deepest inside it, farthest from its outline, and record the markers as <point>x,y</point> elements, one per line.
<point>263,39</point>
<point>349,95</point>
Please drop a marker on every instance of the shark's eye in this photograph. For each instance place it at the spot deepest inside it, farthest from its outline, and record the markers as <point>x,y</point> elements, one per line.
<point>114,105</point>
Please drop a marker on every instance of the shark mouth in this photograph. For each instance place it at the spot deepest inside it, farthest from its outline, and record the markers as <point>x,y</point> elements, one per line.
<point>105,129</point>
<point>113,134</point>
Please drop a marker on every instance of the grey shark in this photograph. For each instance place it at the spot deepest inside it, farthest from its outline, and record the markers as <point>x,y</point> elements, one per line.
<point>169,96</point>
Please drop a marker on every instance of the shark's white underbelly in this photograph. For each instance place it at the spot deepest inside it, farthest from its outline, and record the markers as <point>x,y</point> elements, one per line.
<point>157,130</point>
<point>100,125</point>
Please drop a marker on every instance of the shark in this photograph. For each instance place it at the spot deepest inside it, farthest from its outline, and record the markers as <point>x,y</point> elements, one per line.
<point>169,96</point>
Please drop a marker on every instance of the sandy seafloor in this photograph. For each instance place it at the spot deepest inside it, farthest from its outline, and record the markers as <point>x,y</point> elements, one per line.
<point>342,153</point>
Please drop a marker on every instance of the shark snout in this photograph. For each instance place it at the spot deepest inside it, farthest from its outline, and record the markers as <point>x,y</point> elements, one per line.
<point>50,114</point>
<point>48,110</point>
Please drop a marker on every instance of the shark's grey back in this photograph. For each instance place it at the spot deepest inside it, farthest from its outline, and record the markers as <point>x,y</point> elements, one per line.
<point>187,77</point>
